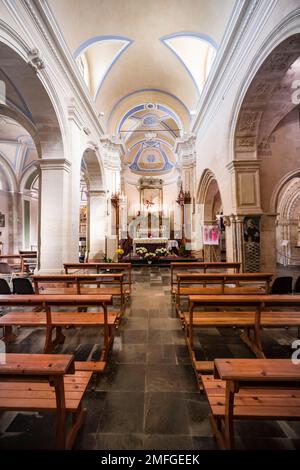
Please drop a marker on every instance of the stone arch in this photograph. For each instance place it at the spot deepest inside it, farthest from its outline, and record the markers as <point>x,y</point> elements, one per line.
<point>279,50</point>
<point>286,204</point>
<point>9,207</point>
<point>92,168</point>
<point>27,98</point>
<point>279,187</point>
<point>8,175</point>
<point>32,100</point>
<point>92,171</point>
<point>265,103</point>
<point>29,177</point>
<point>208,195</point>
<point>210,201</point>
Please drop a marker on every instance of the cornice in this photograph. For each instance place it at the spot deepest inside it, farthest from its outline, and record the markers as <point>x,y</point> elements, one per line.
<point>54,164</point>
<point>113,145</point>
<point>243,164</point>
<point>185,144</point>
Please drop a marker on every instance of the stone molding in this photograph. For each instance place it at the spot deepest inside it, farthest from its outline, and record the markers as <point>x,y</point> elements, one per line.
<point>246,186</point>
<point>47,164</point>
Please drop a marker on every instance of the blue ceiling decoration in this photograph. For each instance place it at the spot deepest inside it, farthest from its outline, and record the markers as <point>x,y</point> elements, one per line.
<point>150,157</point>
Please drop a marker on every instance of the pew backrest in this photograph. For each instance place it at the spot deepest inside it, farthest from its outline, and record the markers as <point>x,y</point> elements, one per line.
<point>202,266</point>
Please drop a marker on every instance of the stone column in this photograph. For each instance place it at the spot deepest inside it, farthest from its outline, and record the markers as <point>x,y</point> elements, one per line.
<point>16,237</point>
<point>268,243</point>
<point>235,239</point>
<point>113,150</point>
<point>239,230</point>
<point>185,149</point>
<point>97,223</point>
<point>54,205</point>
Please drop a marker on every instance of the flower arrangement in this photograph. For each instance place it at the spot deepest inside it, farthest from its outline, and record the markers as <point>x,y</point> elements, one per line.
<point>161,252</point>
<point>141,251</point>
<point>118,254</point>
<point>150,256</point>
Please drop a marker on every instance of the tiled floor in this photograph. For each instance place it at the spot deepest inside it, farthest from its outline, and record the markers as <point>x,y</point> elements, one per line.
<point>148,398</point>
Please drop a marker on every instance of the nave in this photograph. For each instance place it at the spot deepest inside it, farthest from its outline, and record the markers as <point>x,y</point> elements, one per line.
<point>148,397</point>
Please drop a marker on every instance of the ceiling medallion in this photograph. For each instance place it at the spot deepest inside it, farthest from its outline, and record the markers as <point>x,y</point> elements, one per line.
<point>150,106</point>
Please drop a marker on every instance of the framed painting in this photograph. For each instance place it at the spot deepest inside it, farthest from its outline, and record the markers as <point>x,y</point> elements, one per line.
<point>211,234</point>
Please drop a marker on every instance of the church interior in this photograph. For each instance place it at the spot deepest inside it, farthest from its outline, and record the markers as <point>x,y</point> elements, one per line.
<point>150,224</point>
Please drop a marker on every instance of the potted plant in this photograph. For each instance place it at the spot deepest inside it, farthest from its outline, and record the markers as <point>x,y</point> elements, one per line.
<point>119,252</point>
<point>141,251</point>
<point>150,256</point>
<point>161,252</point>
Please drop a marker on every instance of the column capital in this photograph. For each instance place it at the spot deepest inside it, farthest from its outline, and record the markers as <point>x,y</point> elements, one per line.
<point>113,150</point>
<point>185,149</point>
<point>245,176</point>
<point>96,192</point>
<point>241,165</point>
<point>54,164</point>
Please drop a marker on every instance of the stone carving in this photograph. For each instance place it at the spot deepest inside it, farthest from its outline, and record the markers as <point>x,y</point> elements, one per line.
<point>248,121</point>
<point>35,60</point>
<point>226,220</point>
<point>245,142</point>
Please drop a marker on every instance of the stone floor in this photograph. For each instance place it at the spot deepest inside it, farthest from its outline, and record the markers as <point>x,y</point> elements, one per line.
<point>148,397</point>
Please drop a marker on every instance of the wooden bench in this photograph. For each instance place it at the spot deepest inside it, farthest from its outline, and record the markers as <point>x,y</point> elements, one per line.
<point>251,389</point>
<point>200,266</point>
<point>259,314</point>
<point>36,382</point>
<point>239,283</point>
<point>55,321</point>
<point>28,260</point>
<point>104,267</point>
<point>112,284</point>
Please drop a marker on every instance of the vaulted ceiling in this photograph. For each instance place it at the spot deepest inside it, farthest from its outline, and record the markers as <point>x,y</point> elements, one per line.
<point>129,47</point>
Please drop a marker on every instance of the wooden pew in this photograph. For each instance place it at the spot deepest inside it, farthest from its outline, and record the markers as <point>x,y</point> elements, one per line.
<point>104,267</point>
<point>258,314</point>
<point>55,321</point>
<point>36,382</point>
<point>251,389</point>
<point>227,283</point>
<point>74,284</point>
<point>28,260</point>
<point>200,266</point>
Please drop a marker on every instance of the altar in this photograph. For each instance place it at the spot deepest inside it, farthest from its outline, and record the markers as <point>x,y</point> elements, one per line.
<point>151,243</point>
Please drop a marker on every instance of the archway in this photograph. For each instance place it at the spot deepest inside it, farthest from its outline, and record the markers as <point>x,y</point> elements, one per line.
<point>93,211</point>
<point>19,191</point>
<point>212,222</point>
<point>30,205</point>
<point>30,105</point>
<point>286,200</point>
<point>265,141</point>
